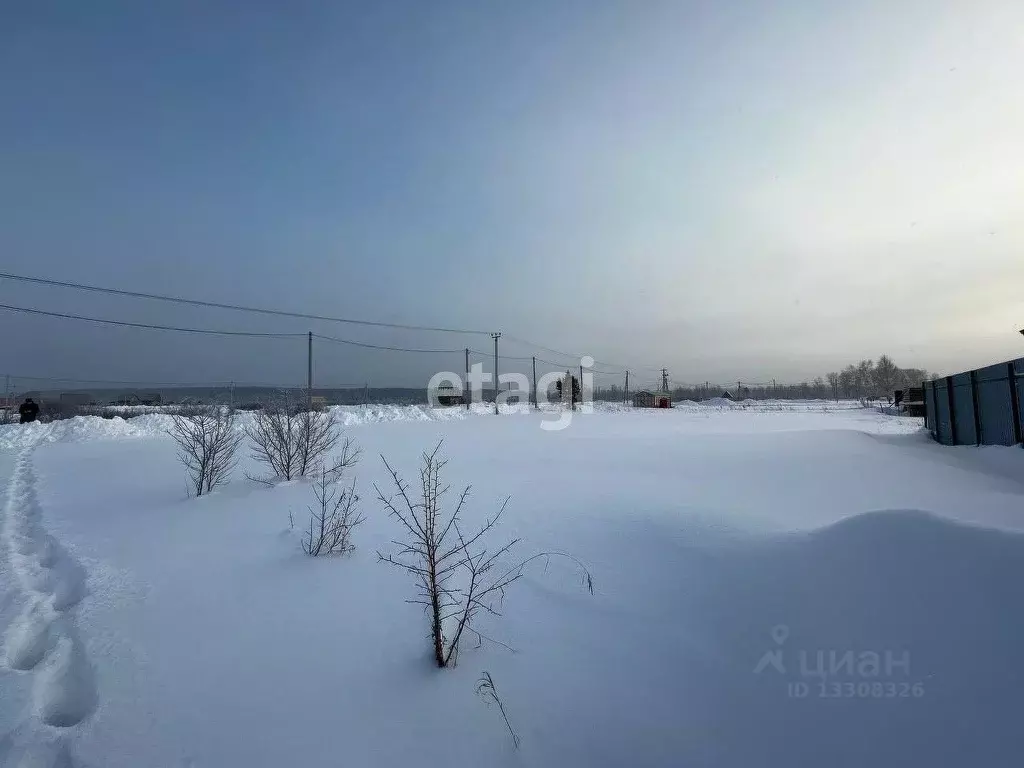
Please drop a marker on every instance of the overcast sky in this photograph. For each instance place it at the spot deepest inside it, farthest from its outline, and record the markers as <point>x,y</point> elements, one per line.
<point>734,190</point>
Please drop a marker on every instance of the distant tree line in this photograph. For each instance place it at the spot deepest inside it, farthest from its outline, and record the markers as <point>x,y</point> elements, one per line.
<point>867,379</point>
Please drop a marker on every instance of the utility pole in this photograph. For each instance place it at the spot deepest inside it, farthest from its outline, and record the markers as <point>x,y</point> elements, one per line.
<point>7,389</point>
<point>737,389</point>
<point>309,372</point>
<point>664,380</point>
<point>496,336</point>
<point>536,405</point>
<point>466,394</point>
<point>625,392</point>
<point>581,386</point>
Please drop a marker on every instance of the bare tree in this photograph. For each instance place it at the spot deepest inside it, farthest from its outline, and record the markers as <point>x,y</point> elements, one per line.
<point>865,381</point>
<point>318,436</point>
<point>913,377</point>
<point>293,441</point>
<point>275,436</point>
<point>456,574</point>
<point>333,517</point>
<point>886,377</point>
<point>207,445</point>
<point>848,381</point>
<point>833,383</point>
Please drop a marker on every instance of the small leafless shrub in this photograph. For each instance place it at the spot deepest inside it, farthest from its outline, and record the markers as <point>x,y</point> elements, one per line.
<point>333,517</point>
<point>319,434</point>
<point>292,441</point>
<point>55,410</point>
<point>486,690</point>
<point>207,445</point>
<point>274,433</point>
<point>7,416</point>
<point>103,412</point>
<point>456,574</point>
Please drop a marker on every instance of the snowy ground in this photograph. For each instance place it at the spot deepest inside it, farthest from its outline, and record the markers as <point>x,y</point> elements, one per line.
<point>143,628</point>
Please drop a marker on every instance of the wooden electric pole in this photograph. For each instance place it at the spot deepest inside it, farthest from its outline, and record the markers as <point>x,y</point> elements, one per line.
<point>309,372</point>
<point>496,336</point>
<point>536,405</point>
<point>466,394</point>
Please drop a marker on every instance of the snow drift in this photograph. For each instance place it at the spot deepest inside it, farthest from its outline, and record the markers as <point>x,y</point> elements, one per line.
<point>933,597</point>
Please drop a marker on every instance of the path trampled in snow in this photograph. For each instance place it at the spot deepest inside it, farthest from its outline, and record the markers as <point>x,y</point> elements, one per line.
<point>43,640</point>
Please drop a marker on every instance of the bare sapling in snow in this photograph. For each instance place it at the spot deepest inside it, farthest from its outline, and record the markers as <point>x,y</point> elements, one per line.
<point>274,433</point>
<point>486,690</point>
<point>319,433</point>
<point>457,574</point>
<point>292,441</point>
<point>207,445</point>
<point>333,517</point>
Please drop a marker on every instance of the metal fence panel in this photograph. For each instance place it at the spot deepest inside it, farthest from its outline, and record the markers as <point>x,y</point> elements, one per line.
<point>992,373</point>
<point>934,395</point>
<point>943,430</point>
<point>1018,368</point>
<point>963,408</point>
<point>929,407</point>
<point>990,411</point>
<point>994,406</point>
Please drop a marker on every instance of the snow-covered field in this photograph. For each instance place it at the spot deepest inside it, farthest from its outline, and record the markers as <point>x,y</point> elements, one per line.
<point>736,552</point>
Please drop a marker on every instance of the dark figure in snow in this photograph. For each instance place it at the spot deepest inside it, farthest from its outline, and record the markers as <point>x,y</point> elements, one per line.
<point>28,410</point>
<point>576,398</point>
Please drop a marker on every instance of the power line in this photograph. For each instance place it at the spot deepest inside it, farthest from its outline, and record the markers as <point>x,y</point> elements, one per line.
<point>233,307</point>
<point>592,368</point>
<point>542,360</point>
<point>150,326</point>
<point>378,346</point>
<point>541,346</point>
<point>622,368</point>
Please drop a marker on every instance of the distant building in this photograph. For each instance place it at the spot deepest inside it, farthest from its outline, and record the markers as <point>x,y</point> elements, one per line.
<point>647,399</point>
<point>318,402</point>
<point>910,401</point>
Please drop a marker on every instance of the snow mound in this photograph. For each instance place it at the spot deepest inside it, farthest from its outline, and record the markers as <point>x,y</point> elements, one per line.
<point>718,402</point>
<point>16,437</point>
<point>926,606</point>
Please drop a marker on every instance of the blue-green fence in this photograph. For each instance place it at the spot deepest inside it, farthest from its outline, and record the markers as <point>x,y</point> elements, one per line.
<point>980,407</point>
